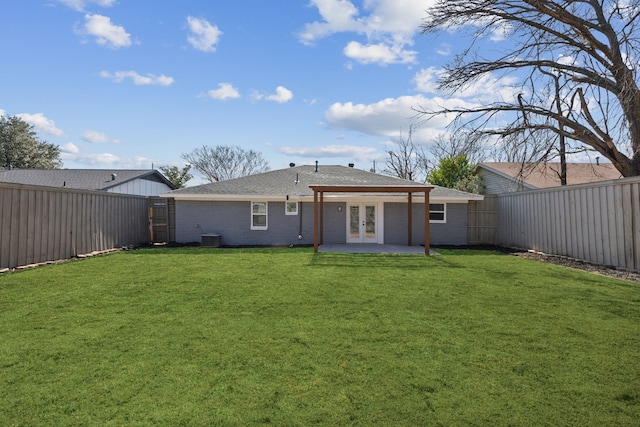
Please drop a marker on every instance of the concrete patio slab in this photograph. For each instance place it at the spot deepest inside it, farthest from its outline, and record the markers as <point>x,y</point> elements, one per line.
<point>373,248</point>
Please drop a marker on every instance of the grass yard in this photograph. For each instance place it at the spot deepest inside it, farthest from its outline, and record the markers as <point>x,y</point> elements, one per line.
<point>203,337</point>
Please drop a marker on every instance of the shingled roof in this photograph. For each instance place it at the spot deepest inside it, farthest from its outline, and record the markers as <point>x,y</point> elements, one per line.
<point>295,182</point>
<point>545,175</point>
<point>82,179</point>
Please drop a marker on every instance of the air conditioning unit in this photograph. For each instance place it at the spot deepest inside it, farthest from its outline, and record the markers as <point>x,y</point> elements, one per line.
<point>210,240</point>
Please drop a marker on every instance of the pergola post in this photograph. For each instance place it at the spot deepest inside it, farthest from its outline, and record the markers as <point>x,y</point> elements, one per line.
<point>321,231</point>
<point>410,220</point>
<point>315,221</point>
<point>427,231</point>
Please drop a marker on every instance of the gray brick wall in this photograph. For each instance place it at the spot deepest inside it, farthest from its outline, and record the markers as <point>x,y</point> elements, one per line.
<point>453,232</point>
<point>232,221</point>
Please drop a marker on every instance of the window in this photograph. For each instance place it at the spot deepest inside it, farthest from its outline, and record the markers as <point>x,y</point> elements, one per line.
<point>258,215</point>
<point>437,212</point>
<point>291,208</point>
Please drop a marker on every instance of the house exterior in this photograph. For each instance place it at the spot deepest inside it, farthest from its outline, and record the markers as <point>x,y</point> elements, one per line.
<point>276,208</point>
<point>134,182</point>
<point>508,177</point>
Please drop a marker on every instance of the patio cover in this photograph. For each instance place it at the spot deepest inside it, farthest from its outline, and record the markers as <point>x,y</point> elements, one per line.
<point>318,206</point>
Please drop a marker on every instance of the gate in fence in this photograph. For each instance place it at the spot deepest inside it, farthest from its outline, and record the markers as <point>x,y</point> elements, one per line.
<point>162,225</point>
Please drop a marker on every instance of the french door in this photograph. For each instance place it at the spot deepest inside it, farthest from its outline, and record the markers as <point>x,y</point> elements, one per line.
<point>362,224</point>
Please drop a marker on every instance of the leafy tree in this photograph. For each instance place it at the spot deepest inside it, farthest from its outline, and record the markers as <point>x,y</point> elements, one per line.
<point>21,148</point>
<point>456,172</point>
<point>591,46</point>
<point>177,176</point>
<point>407,160</point>
<point>471,184</point>
<point>222,162</point>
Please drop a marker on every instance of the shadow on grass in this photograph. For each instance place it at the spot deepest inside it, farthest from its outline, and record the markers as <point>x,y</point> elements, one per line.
<point>470,251</point>
<point>198,250</point>
<point>378,261</point>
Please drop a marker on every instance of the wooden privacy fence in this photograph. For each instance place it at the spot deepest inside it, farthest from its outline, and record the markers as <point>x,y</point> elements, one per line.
<point>597,223</point>
<point>40,224</point>
<point>482,221</point>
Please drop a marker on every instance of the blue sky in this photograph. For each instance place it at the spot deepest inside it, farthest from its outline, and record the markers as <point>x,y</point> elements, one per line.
<point>131,84</point>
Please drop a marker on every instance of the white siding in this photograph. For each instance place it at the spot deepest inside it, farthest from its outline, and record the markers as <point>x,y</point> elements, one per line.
<point>496,184</point>
<point>140,187</point>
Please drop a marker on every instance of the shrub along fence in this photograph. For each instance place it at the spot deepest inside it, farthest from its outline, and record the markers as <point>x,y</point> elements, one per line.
<point>597,223</point>
<point>41,224</point>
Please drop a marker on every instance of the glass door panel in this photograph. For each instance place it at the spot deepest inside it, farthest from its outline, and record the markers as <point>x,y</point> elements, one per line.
<point>354,222</point>
<point>370,222</point>
<point>362,226</point>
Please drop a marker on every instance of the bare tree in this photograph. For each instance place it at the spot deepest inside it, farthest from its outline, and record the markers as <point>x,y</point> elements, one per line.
<point>406,160</point>
<point>222,162</point>
<point>593,45</point>
<point>471,144</point>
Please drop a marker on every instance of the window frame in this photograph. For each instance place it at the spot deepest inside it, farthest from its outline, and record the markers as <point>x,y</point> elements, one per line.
<point>443,212</point>
<point>286,208</point>
<point>265,214</point>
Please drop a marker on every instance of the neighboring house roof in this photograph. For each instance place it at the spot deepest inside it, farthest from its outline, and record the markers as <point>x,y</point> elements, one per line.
<point>295,181</point>
<point>502,177</point>
<point>82,179</point>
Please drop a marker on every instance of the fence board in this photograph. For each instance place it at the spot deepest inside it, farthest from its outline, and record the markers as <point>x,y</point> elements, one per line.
<point>39,224</point>
<point>635,224</point>
<point>614,222</point>
<point>598,223</point>
<point>627,225</point>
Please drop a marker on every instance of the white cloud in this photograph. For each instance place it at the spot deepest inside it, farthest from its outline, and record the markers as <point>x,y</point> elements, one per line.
<point>566,59</point>
<point>500,31</point>
<point>79,5</point>
<point>335,150</point>
<point>69,148</point>
<point>139,80</point>
<point>107,159</point>
<point>387,25</point>
<point>384,118</point>
<point>444,49</point>
<point>426,80</point>
<point>225,91</point>
<point>2,112</point>
<point>486,89</point>
<point>203,36</point>
<point>338,16</point>
<point>41,123</point>
<point>281,96</point>
<point>379,54</point>
<point>95,137</point>
<point>106,33</point>
<point>389,117</point>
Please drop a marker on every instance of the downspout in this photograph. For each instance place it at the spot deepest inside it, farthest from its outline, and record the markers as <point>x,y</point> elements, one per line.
<point>300,221</point>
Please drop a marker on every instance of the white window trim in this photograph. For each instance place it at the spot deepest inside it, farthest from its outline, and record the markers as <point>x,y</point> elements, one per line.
<point>266,214</point>
<point>438,221</point>
<point>286,210</point>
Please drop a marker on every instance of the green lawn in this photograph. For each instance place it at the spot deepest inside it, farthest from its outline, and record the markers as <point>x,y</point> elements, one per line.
<point>204,337</point>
